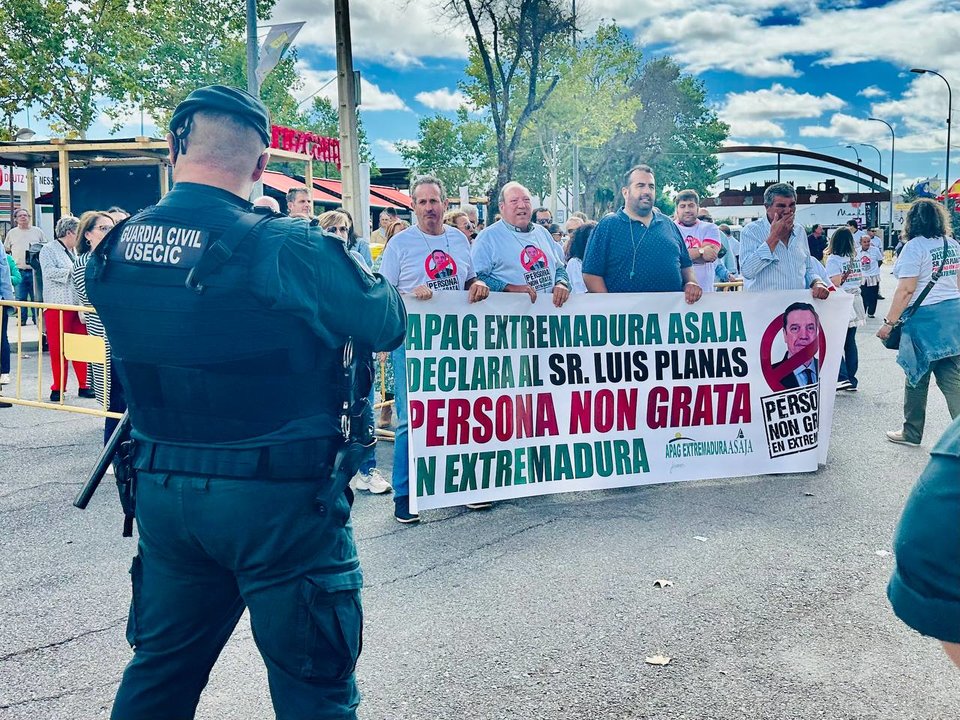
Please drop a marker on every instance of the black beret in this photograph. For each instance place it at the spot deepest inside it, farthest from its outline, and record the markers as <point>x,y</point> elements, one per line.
<point>231,101</point>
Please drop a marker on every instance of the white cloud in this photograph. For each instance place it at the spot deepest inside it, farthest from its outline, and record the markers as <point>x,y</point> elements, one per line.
<point>372,97</point>
<point>751,114</point>
<point>753,129</point>
<point>393,148</point>
<point>396,31</point>
<point>442,99</point>
<point>739,43</point>
<point>917,116</point>
<point>872,92</point>
<point>849,128</point>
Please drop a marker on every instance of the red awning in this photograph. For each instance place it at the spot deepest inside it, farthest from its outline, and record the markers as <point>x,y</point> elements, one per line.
<point>283,183</point>
<point>394,196</point>
<point>336,187</point>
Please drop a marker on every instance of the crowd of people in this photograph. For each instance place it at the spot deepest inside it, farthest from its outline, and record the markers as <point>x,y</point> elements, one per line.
<point>52,272</point>
<point>245,506</point>
<point>636,249</point>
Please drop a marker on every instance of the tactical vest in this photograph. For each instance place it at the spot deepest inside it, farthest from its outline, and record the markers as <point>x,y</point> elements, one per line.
<point>210,365</point>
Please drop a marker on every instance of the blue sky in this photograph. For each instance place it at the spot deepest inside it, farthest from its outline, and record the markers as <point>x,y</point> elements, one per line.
<point>803,74</point>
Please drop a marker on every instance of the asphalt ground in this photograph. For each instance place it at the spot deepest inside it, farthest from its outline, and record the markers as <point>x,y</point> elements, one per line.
<point>540,608</point>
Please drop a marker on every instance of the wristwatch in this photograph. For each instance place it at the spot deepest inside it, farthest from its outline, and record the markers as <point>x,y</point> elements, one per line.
<point>890,324</point>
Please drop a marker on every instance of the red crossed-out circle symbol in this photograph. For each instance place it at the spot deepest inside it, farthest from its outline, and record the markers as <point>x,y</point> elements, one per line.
<point>532,258</point>
<point>775,375</point>
<point>439,265</point>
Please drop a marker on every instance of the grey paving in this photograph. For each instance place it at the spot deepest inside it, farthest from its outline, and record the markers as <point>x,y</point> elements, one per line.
<point>540,608</point>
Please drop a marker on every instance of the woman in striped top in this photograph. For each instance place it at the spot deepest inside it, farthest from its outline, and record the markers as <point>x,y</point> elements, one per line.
<point>94,226</point>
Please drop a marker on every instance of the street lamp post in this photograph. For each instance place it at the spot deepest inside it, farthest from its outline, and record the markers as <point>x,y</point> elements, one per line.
<point>879,169</point>
<point>946,177</point>
<point>859,162</point>
<point>879,157</point>
<point>893,147</point>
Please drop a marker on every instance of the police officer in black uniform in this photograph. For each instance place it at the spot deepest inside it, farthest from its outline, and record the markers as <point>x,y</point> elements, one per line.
<point>230,333</point>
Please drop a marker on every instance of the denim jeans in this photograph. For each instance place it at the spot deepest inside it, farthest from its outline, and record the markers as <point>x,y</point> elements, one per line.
<point>401,448</point>
<point>850,361</point>
<point>370,461</point>
<point>24,293</point>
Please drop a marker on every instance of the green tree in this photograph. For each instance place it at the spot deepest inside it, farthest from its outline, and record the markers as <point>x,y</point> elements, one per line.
<point>675,133</point>
<point>910,193</point>
<point>69,57</point>
<point>510,70</point>
<point>594,100</point>
<point>187,44</point>
<point>458,151</point>
<point>75,59</point>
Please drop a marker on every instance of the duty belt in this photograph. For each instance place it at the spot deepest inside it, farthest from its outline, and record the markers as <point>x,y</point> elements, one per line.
<point>305,459</point>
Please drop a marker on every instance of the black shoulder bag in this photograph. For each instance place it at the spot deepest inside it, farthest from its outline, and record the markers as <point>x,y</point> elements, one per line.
<point>892,341</point>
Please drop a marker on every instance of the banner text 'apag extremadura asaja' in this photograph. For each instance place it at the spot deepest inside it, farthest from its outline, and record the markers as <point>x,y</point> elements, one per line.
<point>509,398</point>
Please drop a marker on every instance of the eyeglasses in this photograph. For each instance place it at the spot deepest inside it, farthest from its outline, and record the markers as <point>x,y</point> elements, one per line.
<point>339,229</point>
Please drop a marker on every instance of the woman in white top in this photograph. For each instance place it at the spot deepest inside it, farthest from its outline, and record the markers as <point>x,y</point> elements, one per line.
<point>843,269</point>
<point>931,333</point>
<point>94,227</point>
<point>576,247</point>
<point>56,264</point>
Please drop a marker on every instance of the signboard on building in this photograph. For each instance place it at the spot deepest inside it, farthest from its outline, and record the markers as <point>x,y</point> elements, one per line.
<point>324,149</point>
<point>42,183</point>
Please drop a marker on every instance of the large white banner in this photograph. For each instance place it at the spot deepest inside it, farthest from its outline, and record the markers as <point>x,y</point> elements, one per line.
<point>509,399</point>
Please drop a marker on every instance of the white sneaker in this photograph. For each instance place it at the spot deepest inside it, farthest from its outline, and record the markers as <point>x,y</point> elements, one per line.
<point>109,470</point>
<point>373,482</point>
<point>5,379</point>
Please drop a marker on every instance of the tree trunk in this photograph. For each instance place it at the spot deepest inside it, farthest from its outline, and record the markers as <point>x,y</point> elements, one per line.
<point>554,170</point>
<point>589,195</point>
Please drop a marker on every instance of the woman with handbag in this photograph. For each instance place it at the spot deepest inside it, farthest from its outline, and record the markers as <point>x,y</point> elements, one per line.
<point>926,310</point>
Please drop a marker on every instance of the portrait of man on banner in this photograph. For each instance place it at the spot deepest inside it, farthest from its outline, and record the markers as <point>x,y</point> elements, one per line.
<point>800,365</point>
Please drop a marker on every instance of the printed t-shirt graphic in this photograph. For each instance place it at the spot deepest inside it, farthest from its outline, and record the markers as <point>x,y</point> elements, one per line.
<point>441,262</point>
<point>441,269</point>
<point>536,268</point>
<point>702,234</point>
<point>837,265</point>
<point>515,257</point>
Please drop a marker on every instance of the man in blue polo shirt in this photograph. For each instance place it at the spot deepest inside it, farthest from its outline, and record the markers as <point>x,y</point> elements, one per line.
<point>638,249</point>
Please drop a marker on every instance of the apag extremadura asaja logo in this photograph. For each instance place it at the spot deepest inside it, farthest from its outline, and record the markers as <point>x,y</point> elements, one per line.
<point>681,446</point>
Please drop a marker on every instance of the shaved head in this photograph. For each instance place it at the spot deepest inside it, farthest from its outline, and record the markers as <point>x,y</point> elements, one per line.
<point>223,143</point>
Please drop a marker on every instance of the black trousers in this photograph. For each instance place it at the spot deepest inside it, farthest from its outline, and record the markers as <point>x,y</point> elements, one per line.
<point>869,294</point>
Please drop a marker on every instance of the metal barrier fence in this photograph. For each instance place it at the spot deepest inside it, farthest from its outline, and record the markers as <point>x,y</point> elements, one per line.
<point>75,347</point>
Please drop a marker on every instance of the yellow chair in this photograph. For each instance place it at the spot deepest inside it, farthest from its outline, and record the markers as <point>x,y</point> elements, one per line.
<point>84,348</point>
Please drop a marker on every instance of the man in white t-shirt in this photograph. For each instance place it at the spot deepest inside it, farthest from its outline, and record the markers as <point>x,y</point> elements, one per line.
<point>425,258</point>
<point>854,226</point>
<point>517,255</point>
<point>701,238</point>
<point>17,243</point>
